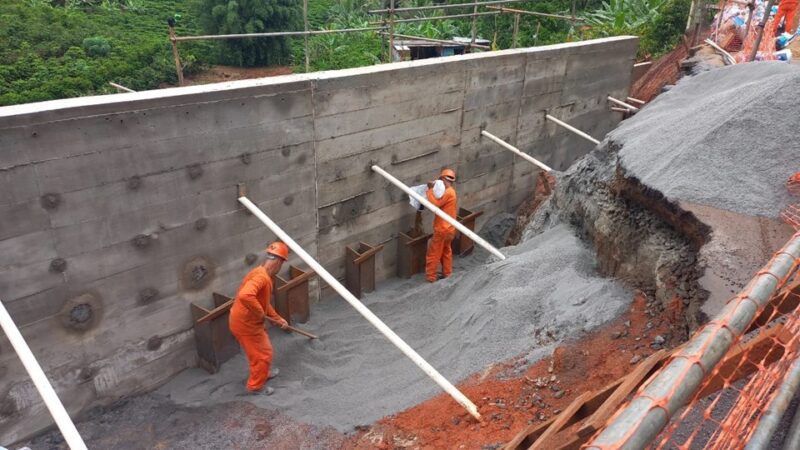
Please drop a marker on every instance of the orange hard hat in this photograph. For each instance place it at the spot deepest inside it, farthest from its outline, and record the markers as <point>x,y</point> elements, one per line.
<point>448,174</point>
<point>279,249</point>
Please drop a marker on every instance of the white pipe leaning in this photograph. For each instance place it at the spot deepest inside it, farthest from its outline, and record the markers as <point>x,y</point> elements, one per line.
<point>464,230</point>
<point>635,100</point>
<point>39,378</point>
<point>573,129</point>
<point>771,418</point>
<point>363,310</point>
<point>623,104</point>
<point>517,151</point>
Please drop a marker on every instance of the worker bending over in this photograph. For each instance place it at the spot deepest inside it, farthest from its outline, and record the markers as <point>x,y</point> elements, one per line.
<point>250,309</point>
<point>787,11</point>
<point>440,250</point>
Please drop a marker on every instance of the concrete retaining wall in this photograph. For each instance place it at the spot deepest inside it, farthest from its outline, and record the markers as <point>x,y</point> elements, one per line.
<point>116,212</point>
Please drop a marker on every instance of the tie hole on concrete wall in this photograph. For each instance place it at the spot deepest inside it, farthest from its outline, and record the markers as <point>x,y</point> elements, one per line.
<point>148,295</point>
<point>142,241</point>
<point>250,259</point>
<point>154,343</point>
<point>51,201</point>
<point>197,273</point>
<point>200,224</point>
<point>195,171</point>
<point>245,157</point>
<point>58,265</point>
<point>134,182</point>
<point>81,312</point>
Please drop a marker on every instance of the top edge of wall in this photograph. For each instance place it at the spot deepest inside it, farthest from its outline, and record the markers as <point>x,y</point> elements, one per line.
<point>109,99</point>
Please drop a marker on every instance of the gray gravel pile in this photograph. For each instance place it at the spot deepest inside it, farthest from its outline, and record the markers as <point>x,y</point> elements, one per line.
<point>727,138</point>
<point>486,313</point>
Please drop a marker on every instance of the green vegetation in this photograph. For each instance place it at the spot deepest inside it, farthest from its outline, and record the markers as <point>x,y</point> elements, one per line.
<point>53,49</point>
<point>251,16</point>
<point>75,47</point>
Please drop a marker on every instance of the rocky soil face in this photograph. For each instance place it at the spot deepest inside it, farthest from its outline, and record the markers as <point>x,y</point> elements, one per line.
<point>639,236</point>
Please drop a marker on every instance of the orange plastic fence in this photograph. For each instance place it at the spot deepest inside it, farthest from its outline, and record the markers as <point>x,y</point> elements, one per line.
<point>726,418</point>
<point>732,398</point>
<point>791,214</point>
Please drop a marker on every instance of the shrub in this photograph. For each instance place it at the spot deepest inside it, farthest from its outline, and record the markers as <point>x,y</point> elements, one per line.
<point>96,46</point>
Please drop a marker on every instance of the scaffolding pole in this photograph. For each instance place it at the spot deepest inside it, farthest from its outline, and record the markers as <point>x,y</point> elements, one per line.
<point>440,41</point>
<point>363,310</point>
<point>533,13</point>
<point>275,34</point>
<point>517,151</point>
<point>444,6</point>
<point>464,230</point>
<point>40,381</point>
<point>623,104</point>
<point>454,16</point>
<point>572,129</point>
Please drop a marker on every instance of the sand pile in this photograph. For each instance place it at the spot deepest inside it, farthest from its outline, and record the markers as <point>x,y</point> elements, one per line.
<point>546,290</point>
<point>725,138</point>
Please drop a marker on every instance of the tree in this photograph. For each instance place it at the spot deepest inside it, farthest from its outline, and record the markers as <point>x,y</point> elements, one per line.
<point>251,16</point>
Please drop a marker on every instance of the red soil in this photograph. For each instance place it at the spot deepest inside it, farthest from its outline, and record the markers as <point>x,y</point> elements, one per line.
<point>508,402</point>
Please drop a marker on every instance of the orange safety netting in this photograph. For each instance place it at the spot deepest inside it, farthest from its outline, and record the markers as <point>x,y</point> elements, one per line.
<point>733,396</point>
<point>731,401</point>
<point>791,214</point>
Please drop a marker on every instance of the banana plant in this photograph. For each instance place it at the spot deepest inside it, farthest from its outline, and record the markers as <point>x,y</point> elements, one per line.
<point>617,17</point>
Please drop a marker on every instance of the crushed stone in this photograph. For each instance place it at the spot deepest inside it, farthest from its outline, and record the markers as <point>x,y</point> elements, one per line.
<point>488,312</point>
<point>726,138</point>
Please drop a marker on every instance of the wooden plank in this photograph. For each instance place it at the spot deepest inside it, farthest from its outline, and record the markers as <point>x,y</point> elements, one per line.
<point>629,385</point>
<point>564,419</point>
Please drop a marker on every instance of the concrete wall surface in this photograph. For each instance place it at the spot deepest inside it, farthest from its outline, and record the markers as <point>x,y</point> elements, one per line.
<point>118,211</point>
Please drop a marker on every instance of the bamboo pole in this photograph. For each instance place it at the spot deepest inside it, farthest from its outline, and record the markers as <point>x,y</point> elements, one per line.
<point>363,310</point>
<point>391,31</point>
<point>623,104</point>
<point>275,34</point>
<point>444,6</point>
<point>440,41</point>
<point>536,35</point>
<point>474,24</point>
<point>464,230</point>
<point>516,31</point>
<point>719,22</point>
<point>174,41</point>
<point>517,151</point>
<point>572,129</point>
<point>454,16</point>
<point>40,381</point>
<point>305,36</point>
<point>120,87</point>
<point>761,26</point>
<point>532,13</point>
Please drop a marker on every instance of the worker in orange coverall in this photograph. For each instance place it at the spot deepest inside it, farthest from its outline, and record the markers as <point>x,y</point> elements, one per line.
<point>439,247</point>
<point>787,11</point>
<point>250,309</point>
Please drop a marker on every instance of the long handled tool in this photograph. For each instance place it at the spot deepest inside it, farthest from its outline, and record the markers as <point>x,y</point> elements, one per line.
<point>295,330</point>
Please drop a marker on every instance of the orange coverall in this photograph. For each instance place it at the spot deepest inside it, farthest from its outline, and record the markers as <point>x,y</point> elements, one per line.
<point>439,248</point>
<point>787,10</point>
<point>246,321</point>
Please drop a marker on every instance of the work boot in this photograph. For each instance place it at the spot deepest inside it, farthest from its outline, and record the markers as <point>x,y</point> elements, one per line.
<point>273,373</point>
<point>266,390</point>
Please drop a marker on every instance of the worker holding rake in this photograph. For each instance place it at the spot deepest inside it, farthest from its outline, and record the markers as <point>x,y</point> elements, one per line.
<point>250,309</point>
<point>442,194</point>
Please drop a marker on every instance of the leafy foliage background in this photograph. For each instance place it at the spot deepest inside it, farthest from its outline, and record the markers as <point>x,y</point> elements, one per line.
<point>52,49</point>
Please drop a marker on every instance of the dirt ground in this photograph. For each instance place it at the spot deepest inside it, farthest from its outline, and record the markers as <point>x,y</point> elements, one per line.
<point>218,74</point>
<point>513,395</point>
